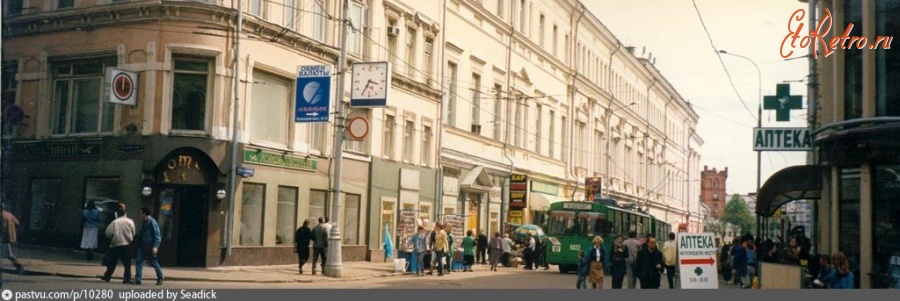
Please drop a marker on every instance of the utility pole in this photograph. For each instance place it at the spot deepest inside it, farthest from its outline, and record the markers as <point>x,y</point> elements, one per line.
<point>232,173</point>
<point>334,266</point>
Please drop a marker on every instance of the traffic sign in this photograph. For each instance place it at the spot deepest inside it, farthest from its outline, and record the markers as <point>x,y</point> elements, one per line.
<point>697,260</point>
<point>358,128</point>
<point>313,93</point>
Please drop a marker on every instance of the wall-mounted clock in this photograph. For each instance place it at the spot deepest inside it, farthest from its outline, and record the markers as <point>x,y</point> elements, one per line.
<point>370,83</point>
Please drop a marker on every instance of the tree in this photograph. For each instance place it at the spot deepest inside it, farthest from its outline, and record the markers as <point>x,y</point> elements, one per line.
<point>737,213</point>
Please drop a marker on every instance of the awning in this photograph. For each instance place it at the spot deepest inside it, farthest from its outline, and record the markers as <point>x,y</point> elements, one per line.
<point>477,181</point>
<point>542,201</point>
<point>801,182</point>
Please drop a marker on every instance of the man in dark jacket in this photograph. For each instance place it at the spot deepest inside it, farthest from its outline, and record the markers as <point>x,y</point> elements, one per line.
<point>481,247</point>
<point>302,238</point>
<point>650,264</point>
<point>150,240</point>
<point>320,242</point>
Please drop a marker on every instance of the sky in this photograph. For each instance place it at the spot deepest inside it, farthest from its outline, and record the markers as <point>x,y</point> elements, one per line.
<point>671,30</point>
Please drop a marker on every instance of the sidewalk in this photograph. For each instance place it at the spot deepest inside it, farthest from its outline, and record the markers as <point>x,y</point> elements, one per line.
<point>40,260</point>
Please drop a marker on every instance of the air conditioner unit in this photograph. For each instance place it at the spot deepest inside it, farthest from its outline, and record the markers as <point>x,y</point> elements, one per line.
<point>476,128</point>
<point>393,31</point>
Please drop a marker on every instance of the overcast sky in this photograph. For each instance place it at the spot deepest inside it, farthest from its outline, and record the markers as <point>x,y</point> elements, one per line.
<point>672,32</point>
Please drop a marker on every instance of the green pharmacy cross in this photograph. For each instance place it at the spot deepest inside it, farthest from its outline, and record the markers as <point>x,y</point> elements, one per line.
<point>698,271</point>
<point>783,102</point>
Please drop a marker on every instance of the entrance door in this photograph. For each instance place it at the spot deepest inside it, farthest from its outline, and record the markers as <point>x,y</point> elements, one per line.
<point>183,222</point>
<point>474,209</point>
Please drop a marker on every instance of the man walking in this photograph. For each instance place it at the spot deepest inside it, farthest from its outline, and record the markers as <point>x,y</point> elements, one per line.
<point>481,244</point>
<point>633,246</point>
<point>507,247</point>
<point>9,238</point>
<point>302,238</point>
<point>320,243</point>
<point>670,254</point>
<point>150,240</point>
<point>120,233</point>
<point>650,264</point>
<point>441,245</point>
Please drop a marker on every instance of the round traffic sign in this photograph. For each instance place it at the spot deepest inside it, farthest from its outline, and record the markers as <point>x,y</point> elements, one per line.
<point>358,128</point>
<point>123,86</point>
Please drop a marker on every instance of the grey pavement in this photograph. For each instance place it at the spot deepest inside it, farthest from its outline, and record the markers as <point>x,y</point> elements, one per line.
<point>40,260</point>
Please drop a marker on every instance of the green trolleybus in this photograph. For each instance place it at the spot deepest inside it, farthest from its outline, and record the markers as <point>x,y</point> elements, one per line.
<point>572,226</point>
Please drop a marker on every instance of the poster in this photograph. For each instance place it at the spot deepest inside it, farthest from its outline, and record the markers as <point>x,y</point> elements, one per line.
<point>406,228</point>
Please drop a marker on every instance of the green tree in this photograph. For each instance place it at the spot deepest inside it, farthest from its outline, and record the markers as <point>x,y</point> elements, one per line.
<point>737,213</point>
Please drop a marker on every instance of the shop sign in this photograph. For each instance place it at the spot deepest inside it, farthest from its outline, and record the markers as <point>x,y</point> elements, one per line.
<point>518,191</point>
<point>279,160</point>
<point>63,150</point>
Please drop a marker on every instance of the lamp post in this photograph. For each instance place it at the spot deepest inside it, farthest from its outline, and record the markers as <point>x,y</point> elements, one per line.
<point>609,132</point>
<point>758,125</point>
<point>335,266</point>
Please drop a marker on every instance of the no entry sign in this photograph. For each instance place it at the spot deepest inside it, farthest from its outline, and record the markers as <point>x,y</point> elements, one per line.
<point>697,260</point>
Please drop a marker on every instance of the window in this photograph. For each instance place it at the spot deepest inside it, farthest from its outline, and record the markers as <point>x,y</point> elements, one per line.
<point>358,28</point>
<point>189,94</point>
<point>500,5</point>
<point>552,134</point>
<point>287,215</point>
<point>555,40</point>
<point>316,206</point>
<point>409,131</point>
<point>429,60</point>
<point>393,52</point>
<point>256,7</point>
<point>541,30</point>
<point>8,88</point>
<point>411,52</point>
<point>351,219</point>
<point>450,104</point>
<point>579,145</point>
<point>387,218</point>
<point>853,63</point>
<point>495,224</point>
<point>388,136</point>
<point>522,13</point>
<point>566,41</point>
<point>887,62</point>
<point>317,136</point>
<point>476,103</point>
<point>269,108</point>
<point>12,7</point>
<point>426,145</point>
<point>290,11</point>
<point>351,145</point>
<point>425,212</point>
<point>519,123</point>
<point>319,19</point>
<point>45,198</point>
<point>252,204</point>
<point>78,103</point>
<point>498,101</point>
<point>598,141</point>
<point>565,139</point>
<point>66,4</point>
<point>849,213</point>
<point>539,129</point>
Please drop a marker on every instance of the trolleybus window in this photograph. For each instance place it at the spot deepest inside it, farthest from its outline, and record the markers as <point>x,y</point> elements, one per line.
<point>562,222</point>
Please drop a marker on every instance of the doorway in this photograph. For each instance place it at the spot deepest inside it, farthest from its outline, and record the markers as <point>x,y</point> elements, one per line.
<point>182,215</point>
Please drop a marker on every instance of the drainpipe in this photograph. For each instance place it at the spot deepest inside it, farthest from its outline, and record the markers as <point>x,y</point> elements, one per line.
<point>687,188</point>
<point>572,111</point>
<point>647,153</point>
<point>439,177</point>
<point>666,136</point>
<point>504,203</point>
<point>232,182</point>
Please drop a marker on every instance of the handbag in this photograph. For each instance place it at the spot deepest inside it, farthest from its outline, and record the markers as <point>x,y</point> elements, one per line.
<point>107,260</point>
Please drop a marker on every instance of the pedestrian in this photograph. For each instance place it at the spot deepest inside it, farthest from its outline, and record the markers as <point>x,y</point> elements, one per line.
<point>420,246</point>
<point>469,244</point>
<point>320,244</point>
<point>726,262</point>
<point>327,225</point>
<point>481,246</point>
<point>843,274</point>
<point>440,247</point>
<point>595,256</point>
<point>432,254</point>
<point>670,254</point>
<point>302,237</point>
<point>619,262</point>
<point>496,247</point>
<point>10,222</point>
<point>650,264</point>
<point>507,248</point>
<point>739,262</point>
<point>583,271</point>
<point>541,246</point>
<point>149,247</point>
<point>529,252</point>
<point>827,273</point>
<point>121,234</point>
<point>91,221</point>
<point>751,256</point>
<point>451,249</point>
<point>632,245</point>
<point>791,253</point>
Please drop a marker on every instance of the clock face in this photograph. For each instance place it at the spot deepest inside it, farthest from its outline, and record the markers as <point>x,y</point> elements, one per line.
<point>370,80</point>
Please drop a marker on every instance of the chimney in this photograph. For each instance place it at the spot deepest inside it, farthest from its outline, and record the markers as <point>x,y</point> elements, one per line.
<point>705,167</point>
<point>630,49</point>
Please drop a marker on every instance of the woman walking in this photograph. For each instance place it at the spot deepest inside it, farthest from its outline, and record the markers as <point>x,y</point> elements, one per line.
<point>619,266</point>
<point>302,238</point>
<point>91,218</point>
<point>496,245</point>
<point>843,274</point>
<point>595,257</point>
<point>468,245</point>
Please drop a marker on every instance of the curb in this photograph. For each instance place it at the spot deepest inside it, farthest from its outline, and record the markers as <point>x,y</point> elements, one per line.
<point>196,279</point>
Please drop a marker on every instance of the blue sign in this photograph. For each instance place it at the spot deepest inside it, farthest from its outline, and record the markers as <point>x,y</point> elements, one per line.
<point>246,172</point>
<point>313,93</point>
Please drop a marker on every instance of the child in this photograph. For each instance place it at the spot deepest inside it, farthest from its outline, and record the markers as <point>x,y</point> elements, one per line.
<point>583,269</point>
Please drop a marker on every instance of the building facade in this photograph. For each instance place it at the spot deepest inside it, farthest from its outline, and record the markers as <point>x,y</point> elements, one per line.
<point>480,91</point>
<point>713,184</point>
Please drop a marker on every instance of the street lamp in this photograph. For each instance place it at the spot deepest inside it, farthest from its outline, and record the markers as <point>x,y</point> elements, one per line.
<point>758,125</point>
<point>609,132</point>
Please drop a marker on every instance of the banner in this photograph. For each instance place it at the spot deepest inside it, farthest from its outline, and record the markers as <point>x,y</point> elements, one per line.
<point>518,190</point>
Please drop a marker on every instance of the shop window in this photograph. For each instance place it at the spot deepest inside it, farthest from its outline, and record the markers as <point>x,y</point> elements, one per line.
<point>387,219</point>
<point>849,215</point>
<point>351,219</point>
<point>104,192</point>
<point>45,198</point>
<point>316,206</point>
<point>252,205</point>
<point>287,215</point>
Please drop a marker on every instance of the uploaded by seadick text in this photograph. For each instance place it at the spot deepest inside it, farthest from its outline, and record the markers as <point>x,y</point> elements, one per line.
<point>109,294</point>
